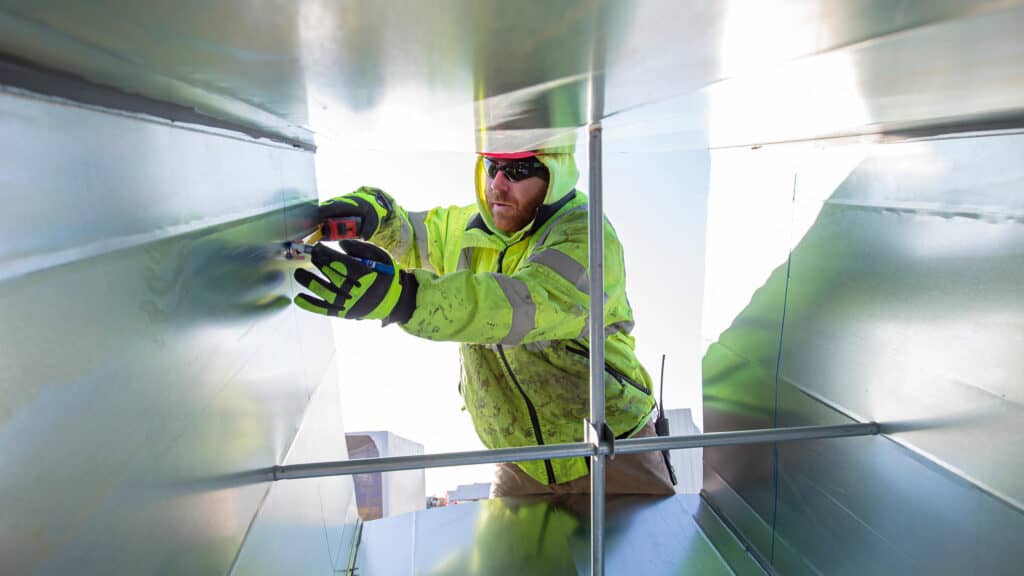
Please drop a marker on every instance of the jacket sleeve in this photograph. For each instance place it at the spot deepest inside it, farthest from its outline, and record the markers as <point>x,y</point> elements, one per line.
<point>547,298</point>
<point>415,239</point>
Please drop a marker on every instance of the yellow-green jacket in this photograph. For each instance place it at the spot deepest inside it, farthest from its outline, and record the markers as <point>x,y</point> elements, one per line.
<point>519,305</point>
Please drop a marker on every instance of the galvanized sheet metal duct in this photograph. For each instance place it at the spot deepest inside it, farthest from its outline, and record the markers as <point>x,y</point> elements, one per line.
<point>900,303</point>
<point>378,76</point>
<point>655,536</point>
<point>153,368</point>
<point>461,74</point>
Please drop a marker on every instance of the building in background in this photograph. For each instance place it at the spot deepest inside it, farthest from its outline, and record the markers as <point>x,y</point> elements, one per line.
<point>687,463</point>
<point>380,495</point>
<point>469,493</point>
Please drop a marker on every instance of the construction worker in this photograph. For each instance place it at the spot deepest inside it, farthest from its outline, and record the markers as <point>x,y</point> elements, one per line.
<point>507,278</point>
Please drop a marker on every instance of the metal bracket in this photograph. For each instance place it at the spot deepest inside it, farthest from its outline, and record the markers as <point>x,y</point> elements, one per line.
<point>596,439</point>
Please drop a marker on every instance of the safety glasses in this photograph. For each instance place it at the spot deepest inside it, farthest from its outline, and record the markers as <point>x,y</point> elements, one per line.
<point>515,170</point>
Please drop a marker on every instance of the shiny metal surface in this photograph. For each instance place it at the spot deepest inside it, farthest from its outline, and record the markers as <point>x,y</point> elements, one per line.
<point>957,71</point>
<point>306,527</point>
<point>550,536</point>
<point>458,75</point>
<point>152,368</point>
<point>920,250</point>
<point>899,303</point>
<point>455,75</point>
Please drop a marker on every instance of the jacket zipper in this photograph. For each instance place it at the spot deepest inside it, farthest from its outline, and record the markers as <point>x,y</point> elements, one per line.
<point>584,353</point>
<point>534,421</point>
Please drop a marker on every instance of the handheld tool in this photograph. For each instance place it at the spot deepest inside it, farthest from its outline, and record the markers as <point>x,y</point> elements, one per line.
<point>341,228</point>
<point>299,247</point>
<point>333,229</point>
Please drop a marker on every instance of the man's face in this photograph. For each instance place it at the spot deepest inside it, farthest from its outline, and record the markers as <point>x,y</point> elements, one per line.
<point>514,204</point>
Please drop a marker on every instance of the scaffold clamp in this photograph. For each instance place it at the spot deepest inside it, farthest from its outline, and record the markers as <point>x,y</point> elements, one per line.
<point>598,439</point>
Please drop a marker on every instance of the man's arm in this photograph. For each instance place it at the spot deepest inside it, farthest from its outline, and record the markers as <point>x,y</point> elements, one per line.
<point>546,299</point>
<point>413,238</point>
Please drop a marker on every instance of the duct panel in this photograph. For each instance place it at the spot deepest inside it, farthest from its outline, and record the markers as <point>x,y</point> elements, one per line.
<point>904,308</point>
<point>905,303</point>
<point>901,307</point>
<point>869,506</point>
<point>550,535</point>
<point>964,70</point>
<point>302,525</point>
<point>738,480</point>
<point>153,368</point>
<point>749,214</point>
<point>430,76</point>
<point>159,182</point>
<point>729,548</point>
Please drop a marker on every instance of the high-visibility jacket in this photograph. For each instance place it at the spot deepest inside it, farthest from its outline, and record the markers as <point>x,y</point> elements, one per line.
<point>519,305</point>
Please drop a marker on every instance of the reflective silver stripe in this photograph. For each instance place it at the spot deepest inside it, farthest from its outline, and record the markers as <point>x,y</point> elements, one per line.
<point>524,310</point>
<point>625,326</point>
<point>419,225</point>
<point>538,346</point>
<point>565,266</point>
<point>465,259</point>
<point>404,237</point>
<point>551,224</point>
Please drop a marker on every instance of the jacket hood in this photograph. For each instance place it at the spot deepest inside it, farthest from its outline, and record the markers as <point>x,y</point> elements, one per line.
<point>561,165</point>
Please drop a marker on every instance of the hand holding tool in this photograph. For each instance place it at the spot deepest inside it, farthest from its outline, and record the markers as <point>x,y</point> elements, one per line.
<point>341,228</point>
<point>362,281</point>
<point>299,247</point>
<point>367,206</point>
<point>333,229</point>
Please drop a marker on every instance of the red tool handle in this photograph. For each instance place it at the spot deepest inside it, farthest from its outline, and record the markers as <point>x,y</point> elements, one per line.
<point>341,228</point>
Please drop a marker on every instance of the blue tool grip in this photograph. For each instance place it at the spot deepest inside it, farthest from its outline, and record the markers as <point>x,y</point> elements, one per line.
<point>378,266</point>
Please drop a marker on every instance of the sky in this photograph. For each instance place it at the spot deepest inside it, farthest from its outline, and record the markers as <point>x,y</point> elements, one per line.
<point>655,190</point>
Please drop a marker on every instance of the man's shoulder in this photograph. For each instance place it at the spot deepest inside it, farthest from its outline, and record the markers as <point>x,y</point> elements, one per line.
<point>568,217</point>
<point>455,216</point>
<point>571,224</point>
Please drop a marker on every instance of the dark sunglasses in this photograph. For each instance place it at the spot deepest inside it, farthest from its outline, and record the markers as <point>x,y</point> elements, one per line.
<point>515,170</point>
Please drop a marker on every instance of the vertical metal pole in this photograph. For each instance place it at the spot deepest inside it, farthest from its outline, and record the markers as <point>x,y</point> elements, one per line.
<point>596,233</point>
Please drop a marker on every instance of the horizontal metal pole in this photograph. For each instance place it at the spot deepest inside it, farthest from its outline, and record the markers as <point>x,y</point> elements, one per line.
<point>631,445</point>
<point>393,463</point>
<point>625,446</point>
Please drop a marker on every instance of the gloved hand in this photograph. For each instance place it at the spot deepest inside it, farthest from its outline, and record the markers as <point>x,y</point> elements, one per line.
<point>370,204</point>
<point>362,282</point>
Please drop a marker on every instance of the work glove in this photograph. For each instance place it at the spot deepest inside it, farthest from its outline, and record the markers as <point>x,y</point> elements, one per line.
<point>371,205</point>
<point>362,282</point>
